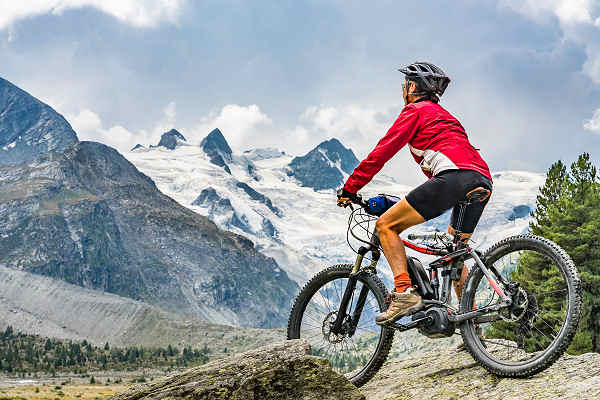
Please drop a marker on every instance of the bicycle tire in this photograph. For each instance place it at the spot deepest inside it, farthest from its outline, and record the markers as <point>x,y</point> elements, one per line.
<point>378,289</point>
<point>574,305</point>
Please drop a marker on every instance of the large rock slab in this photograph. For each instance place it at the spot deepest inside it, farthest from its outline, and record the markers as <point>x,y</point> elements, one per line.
<point>280,371</point>
<point>455,375</point>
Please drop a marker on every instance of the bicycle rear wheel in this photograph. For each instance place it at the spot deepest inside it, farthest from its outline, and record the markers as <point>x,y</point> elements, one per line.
<point>537,328</point>
<point>357,355</point>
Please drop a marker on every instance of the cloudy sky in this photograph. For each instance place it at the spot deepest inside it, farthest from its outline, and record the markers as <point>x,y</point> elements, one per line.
<point>289,74</point>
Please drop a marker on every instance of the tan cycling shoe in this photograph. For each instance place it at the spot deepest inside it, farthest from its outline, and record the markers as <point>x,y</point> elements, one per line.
<point>401,304</point>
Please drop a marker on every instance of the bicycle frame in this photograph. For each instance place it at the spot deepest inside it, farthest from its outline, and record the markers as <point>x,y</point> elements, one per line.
<point>447,261</point>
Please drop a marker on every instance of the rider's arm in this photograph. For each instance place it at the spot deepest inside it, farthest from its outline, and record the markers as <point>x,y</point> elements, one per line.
<point>397,137</point>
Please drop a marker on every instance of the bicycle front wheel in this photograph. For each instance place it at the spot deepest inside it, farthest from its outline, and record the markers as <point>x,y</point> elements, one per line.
<point>528,336</point>
<point>359,353</point>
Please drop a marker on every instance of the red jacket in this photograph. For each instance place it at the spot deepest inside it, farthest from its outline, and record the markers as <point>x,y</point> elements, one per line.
<point>437,141</point>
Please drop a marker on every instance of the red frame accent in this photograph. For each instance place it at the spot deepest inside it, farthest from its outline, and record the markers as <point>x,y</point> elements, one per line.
<point>424,250</point>
<point>419,249</point>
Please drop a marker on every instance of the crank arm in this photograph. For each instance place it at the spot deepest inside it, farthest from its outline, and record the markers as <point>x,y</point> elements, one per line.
<point>478,313</point>
<point>410,325</point>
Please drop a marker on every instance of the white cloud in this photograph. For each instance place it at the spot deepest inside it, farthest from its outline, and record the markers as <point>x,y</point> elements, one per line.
<point>593,124</point>
<point>577,21</point>
<point>354,125</point>
<point>141,13</point>
<point>243,126</point>
<point>88,126</point>
<point>567,11</point>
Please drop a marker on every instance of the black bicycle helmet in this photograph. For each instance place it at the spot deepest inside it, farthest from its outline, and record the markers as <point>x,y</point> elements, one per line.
<point>431,78</point>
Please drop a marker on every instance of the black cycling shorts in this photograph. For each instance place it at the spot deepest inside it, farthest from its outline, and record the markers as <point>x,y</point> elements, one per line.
<point>444,191</point>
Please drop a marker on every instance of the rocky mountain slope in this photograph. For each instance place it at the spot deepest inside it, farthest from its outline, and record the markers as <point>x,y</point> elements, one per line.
<point>29,127</point>
<point>87,216</point>
<point>290,373</point>
<point>48,307</point>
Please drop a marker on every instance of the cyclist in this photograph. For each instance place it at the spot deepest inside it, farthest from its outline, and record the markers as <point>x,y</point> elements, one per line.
<point>439,143</point>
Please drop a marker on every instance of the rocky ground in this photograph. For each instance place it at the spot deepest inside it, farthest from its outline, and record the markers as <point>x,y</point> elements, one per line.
<point>286,371</point>
<point>449,374</point>
<point>280,371</point>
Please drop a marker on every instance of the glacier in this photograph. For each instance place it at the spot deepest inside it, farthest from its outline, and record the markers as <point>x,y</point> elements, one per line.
<point>303,229</point>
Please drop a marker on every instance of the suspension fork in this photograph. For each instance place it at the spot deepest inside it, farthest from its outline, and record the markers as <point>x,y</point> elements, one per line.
<point>373,247</point>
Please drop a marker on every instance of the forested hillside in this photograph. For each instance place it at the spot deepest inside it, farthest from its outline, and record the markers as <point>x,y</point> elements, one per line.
<point>22,354</point>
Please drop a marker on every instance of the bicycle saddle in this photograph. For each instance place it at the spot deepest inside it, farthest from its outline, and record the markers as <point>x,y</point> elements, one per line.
<point>479,194</point>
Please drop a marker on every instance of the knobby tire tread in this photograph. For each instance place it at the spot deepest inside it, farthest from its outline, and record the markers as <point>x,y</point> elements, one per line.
<point>313,285</point>
<point>575,306</point>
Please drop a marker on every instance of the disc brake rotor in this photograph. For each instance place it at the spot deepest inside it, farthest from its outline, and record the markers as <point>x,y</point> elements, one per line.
<point>517,309</point>
<point>328,323</point>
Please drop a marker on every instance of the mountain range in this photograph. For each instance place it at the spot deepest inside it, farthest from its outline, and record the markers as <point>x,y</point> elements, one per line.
<point>177,234</point>
<point>81,213</point>
<point>286,204</point>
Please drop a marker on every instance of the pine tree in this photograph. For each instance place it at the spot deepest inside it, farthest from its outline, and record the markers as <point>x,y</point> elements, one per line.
<point>568,213</point>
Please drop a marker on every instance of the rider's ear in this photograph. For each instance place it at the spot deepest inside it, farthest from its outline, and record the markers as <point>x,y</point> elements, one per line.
<point>412,87</point>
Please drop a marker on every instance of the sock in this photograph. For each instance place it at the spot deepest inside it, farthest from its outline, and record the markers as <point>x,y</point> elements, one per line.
<point>402,282</point>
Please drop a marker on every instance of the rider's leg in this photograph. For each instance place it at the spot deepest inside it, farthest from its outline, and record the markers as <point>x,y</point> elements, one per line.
<point>458,288</point>
<point>398,218</point>
<point>458,285</point>
<point>395,220</point>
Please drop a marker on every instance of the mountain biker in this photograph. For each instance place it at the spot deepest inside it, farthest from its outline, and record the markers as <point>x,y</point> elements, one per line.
<point>439,143</point>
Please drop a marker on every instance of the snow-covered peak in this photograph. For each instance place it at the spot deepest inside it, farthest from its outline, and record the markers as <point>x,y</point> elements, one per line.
<point>300,227</point>
<point>215,142</point>
<point>217,149</point>
<point>171,139</point>
<point>325,166</point>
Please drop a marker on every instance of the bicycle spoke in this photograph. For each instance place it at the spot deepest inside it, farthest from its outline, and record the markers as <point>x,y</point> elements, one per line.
<point>523,332</point>
<point>348,355</point>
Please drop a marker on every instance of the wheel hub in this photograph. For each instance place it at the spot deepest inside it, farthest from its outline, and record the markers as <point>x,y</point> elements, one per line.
<point>328,324</point>
<point>518,308</point>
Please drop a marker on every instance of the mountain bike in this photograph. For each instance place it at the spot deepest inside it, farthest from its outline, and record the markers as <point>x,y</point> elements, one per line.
<point>523,293</point>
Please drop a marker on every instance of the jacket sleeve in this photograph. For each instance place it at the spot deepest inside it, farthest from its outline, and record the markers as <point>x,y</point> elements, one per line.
<point>397,137</point>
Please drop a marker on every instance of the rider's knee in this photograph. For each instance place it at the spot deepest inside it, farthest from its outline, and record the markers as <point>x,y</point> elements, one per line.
<point>380,225</point>
<point>383,225</point>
